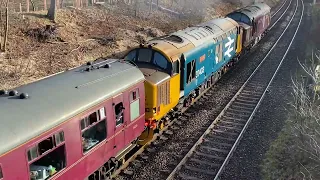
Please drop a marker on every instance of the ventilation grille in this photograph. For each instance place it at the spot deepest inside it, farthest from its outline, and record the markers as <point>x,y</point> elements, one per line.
<point>164,93</point>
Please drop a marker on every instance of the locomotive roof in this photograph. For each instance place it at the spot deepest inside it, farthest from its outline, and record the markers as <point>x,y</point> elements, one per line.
<point>178,41</point>
<point>254,11</point>
<point>57,98</point>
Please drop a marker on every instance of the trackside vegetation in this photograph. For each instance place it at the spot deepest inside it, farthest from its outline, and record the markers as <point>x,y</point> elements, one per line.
<point>295,154</point>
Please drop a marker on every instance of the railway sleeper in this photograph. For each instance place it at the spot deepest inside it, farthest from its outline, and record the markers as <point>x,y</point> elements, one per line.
<point>188,177</point>
<point>251,92</point>
<point>245,93</point>
<point>209,156</point>
<point>232,118</point>
<point>245,115</point>
<point>243,104</point>
<point>235,106</point>
<point>239,110</point>
<point>226,130</point>
<point>216,144</point>
<point>249,103</point>
<point>247,99</point>
<point>203,162</point>
<point>227,125</point>
<point>232,122</point>
<point>191,168</point>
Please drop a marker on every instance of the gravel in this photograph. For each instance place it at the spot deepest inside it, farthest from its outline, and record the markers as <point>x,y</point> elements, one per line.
<point>270,118</point>
<point>169,152</point>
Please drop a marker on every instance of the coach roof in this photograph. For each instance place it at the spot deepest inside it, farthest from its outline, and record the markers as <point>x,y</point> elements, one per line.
<point>56,99</point>
<point>255,10</point>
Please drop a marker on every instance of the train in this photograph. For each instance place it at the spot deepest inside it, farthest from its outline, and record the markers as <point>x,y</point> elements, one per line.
<point>80,124</point>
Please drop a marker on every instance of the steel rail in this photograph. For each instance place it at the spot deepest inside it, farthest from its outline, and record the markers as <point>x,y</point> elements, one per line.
<point>279,8</point>
<point>184,160</point>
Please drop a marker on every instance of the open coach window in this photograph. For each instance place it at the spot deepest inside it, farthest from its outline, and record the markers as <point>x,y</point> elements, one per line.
<point>118,109</point>
<point>93,129</point>
<point>47,157</point>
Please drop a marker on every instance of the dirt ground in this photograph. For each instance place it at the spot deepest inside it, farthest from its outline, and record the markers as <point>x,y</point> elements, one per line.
<point>38,47</point>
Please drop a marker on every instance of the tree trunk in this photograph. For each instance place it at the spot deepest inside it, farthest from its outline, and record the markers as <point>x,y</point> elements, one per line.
<point>52,10</point>
<point>6,28</point>
<point>136,9</point>
<point>151,1</point>
<point>0,29</point>
<point>33,5</point>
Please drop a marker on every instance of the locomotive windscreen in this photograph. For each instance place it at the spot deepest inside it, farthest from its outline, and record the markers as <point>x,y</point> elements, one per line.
<point>144,56</point>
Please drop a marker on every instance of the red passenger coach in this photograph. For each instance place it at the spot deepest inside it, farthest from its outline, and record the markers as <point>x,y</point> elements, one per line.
<point>77,124</point>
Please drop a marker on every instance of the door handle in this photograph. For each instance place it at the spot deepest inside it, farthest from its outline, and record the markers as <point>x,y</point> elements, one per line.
<point>114,147</point>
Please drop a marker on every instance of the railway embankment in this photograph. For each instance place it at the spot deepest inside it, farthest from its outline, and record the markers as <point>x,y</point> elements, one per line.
<point>38,47</point>
<point>282,140</point>
<point>295,152</point>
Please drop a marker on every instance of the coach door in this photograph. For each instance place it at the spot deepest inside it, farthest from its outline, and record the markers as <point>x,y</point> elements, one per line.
<point>118,112</point>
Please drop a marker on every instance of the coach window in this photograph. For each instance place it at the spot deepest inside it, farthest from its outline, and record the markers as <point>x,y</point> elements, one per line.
<point>134,104</point>
<point>93,129</point>
<point>191,71</point>
<point>118,109</point>
<point>47,157</point>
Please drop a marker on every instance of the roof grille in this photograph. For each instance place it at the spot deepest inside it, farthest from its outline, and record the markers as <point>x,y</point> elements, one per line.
<point>174,38</point>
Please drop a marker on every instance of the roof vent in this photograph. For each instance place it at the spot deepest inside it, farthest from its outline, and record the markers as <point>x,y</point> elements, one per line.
<point>3,92</point>
<point>107,66</point>
<point>174,38</point>
<point>13,93</point>
<point>24,96</point>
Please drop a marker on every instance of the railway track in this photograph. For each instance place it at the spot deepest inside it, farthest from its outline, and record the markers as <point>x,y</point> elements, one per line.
<point>139,156</point>
<point>210,154</point>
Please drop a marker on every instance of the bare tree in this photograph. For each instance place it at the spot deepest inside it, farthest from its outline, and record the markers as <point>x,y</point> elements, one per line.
<point>306,124</point>
<point>6,26</point>
<point>52,10</point>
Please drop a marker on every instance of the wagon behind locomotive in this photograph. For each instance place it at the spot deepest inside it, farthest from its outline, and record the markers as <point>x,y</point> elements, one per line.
<point>254,21</point>
<point>58,124</point>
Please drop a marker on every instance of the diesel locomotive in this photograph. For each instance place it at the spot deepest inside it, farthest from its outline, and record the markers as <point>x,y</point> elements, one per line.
<point>81,123</point>
<point>181,65</point>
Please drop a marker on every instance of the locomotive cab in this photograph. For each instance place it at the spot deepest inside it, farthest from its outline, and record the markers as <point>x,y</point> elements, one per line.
<point>162,78</point>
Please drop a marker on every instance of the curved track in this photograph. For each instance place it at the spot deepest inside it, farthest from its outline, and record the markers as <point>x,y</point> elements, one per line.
<point>209,155</point>
<point>139,156</point>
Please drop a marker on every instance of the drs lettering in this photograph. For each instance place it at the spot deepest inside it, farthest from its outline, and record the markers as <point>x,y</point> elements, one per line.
<point>199,72</point>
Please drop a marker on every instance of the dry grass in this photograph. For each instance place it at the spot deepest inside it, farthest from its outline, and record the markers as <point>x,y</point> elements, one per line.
<point>84,35</point>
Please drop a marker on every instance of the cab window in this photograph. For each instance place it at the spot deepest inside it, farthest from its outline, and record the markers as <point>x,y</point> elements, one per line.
<point>149,56</point>
<point>160,60</point>
<point>131,56</point>
<point>175,67</point>
<point>145,55</point>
